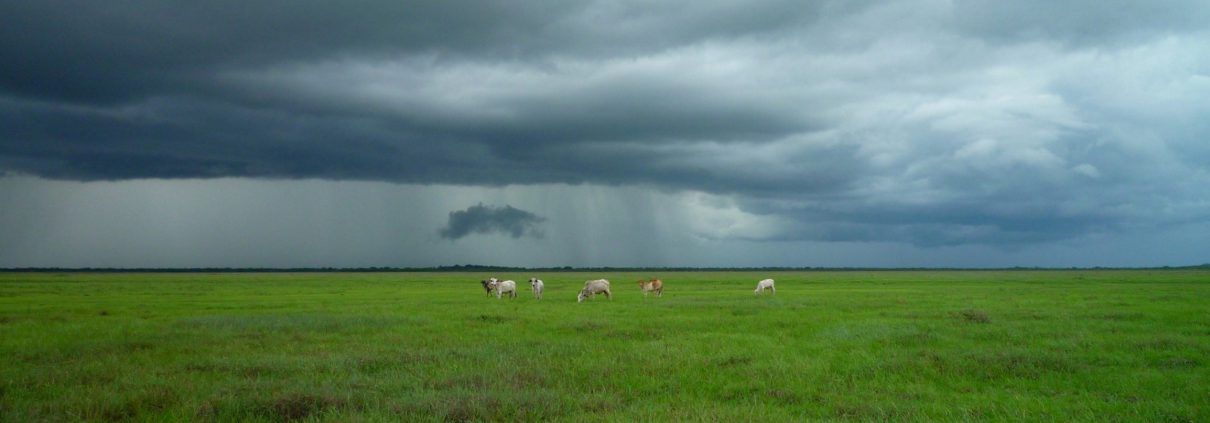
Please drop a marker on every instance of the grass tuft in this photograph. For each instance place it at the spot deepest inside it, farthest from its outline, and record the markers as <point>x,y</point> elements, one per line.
<point>733,361</point>
<point>293,407</point>
<point>974,316</point>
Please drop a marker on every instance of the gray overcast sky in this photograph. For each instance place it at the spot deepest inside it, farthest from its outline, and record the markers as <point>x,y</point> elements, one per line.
<point>644,133</point>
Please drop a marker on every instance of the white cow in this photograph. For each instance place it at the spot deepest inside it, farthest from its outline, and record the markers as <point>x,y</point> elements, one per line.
<point>594,287</point>
<point>506,287</point>
<point>537,285</point>
<point>765,284</point>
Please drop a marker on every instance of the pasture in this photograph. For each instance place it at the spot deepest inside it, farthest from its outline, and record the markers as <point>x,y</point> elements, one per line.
<point>912,345</point>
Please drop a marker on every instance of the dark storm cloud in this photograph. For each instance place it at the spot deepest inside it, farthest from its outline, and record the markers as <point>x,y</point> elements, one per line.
<point>94,52</point>
<point>481,219</point>
<point>926,122</point>
<point>1078,22</point>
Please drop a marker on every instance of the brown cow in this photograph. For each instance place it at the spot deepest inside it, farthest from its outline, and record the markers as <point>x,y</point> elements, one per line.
<point>489,285</point>
<point>652,285</point>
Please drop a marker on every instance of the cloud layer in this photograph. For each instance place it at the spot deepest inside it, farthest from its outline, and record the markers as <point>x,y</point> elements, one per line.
<point>925,122</point>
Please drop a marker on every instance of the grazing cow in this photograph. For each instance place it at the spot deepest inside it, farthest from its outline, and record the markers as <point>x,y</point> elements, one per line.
<point>488,285</point>
<point>765,284</point>
<point>652,285</point>
<point>506,287</point>
<point>594,287</point>
<point>537,285</point>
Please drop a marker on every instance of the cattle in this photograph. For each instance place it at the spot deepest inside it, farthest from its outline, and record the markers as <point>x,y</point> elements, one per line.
<point>537,286</point>
<point>506,287</point>
<point>594,287</point>
<point>652,285</point>
<point>765,284</point>
<point>488,285</point>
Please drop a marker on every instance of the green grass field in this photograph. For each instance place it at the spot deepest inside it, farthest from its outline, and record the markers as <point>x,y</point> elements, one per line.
<point>945,345</point>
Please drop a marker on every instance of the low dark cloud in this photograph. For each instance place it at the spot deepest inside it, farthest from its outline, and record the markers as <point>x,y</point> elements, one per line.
<point>481,219</point>
<point>931,123</point>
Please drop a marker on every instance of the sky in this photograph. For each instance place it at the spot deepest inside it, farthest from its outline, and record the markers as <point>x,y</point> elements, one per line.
<point>301,133</point>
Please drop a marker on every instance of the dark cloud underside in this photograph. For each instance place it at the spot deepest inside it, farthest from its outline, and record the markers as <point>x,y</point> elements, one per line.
<point>481,219</point>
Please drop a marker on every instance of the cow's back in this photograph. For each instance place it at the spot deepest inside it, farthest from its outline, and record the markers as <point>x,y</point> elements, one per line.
<point>596,285</point>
